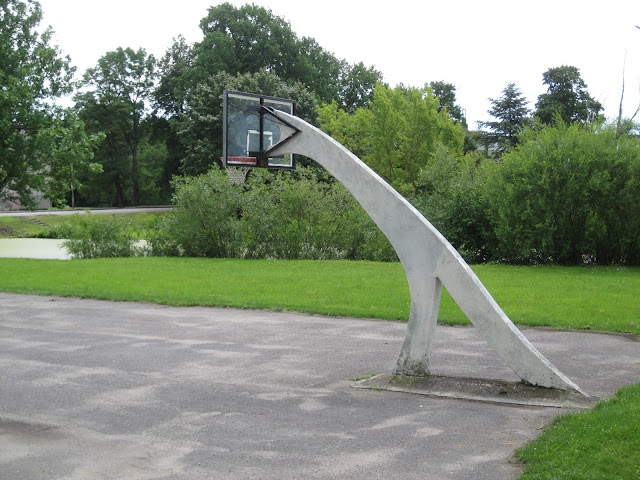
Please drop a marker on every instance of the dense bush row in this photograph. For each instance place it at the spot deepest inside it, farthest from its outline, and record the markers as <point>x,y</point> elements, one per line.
<point>284,215</point>
<point>567,195</point>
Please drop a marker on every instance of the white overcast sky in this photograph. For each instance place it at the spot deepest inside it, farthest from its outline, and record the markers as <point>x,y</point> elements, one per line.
<point>479,46</point>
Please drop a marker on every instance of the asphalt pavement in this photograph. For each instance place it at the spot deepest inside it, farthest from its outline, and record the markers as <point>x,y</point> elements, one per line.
<point>103,390</point>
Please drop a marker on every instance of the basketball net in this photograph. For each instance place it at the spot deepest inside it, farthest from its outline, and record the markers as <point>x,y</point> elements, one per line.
<point>237,175</point>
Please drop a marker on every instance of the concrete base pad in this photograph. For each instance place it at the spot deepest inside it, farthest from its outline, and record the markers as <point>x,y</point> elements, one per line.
<point>479,389</point>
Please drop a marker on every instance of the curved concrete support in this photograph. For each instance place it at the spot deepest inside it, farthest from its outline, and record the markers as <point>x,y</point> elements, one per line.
<point>429,261</point>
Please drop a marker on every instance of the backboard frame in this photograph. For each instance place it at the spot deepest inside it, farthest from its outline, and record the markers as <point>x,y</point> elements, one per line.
<point>254,117</point>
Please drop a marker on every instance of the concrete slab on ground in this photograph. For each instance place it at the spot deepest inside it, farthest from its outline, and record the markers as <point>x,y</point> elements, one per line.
<point>106,390</point>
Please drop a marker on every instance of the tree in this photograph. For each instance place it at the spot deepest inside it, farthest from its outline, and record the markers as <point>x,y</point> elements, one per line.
<point>121,86</point>
<point>245,48</point>
<point>357,84</point>
<point>170,102</point>
<point>111,188</point>
<point>251,39</point>
<point>350,130</point>
<point>446,94</point>
<point>398,134</point>
<point>246,39</point>
<point>66,150</point>
<point>172,70</point>
<point>567,96</point>
<point>511,114</point>
<point>33,74</point>
<point>316,68</point>
<point>384,124</point>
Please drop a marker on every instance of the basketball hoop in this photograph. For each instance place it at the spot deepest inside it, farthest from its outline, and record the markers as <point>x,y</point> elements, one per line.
<point>252,130</point>
<point>237,175</point>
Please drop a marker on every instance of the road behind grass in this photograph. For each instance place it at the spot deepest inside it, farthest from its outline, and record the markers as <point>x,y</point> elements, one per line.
<point>37,213</point>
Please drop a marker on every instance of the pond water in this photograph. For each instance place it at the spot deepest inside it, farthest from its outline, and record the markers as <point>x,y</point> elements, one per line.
<point>33,248</point>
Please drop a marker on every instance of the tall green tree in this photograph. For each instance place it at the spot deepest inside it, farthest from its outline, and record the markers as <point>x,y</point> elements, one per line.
<point>33,131</point>
<point>350,130</point>
<point>357,84</point>
<point>120,87</point>
<point>316,68</point>
<point>67,151</point>
<point>446,94</point>
<point>567,96</point>
<point>245,39</point>
<point>398,134</point>
<point>250,39</point>
<point>511,114</point>
<point>169,96</point>
<point>384,124</point>
<point>252,44</point>
<point>170,102</point>
<point>112,188</point>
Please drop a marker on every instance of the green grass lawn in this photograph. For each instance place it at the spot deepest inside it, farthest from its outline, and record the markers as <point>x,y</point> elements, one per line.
<point>602,444</point>
<point>596,298</point>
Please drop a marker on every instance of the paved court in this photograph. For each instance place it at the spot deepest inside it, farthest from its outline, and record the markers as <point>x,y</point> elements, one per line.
<point>104,390</point>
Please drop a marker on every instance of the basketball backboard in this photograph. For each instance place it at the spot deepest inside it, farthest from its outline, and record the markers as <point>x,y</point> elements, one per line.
<point>251,130</point>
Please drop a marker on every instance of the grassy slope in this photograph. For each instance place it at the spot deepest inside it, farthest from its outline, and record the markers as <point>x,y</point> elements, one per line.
<point>32,226</point>
<point>595,298</point>
<point>27,227</point>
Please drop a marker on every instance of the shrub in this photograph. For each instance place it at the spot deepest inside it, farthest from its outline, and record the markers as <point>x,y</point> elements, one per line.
<point>204,221</point>
<point>449,196</point>
<point>568,195</point>
<point>302,214</point>
<point>96,235</point>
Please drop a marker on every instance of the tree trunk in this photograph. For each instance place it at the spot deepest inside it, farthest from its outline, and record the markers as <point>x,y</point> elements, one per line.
<point>134,174</point>
<point>134,161</point>
<point>119,193</point>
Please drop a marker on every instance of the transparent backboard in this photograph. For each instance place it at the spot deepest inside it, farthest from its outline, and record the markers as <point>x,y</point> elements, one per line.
<point>249,131</point>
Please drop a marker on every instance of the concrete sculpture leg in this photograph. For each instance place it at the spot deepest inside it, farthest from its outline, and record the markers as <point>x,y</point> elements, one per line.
<point>429,262</point>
